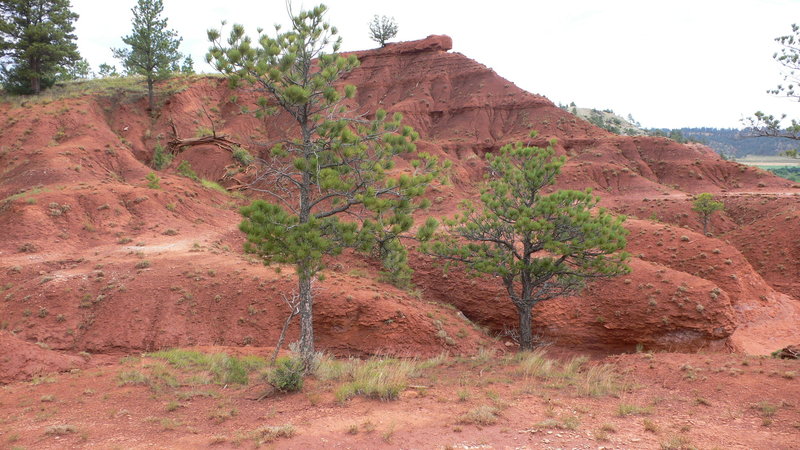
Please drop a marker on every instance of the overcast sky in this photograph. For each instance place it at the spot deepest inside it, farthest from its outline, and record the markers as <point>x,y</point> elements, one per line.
<point>668,63</point>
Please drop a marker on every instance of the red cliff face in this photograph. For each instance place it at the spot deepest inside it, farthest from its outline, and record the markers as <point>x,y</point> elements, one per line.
<point>78,219</point>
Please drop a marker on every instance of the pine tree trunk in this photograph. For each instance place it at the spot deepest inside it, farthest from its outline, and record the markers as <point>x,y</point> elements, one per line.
<point>525,330</point>
<point>306,319</point>
<point>36,80</point>
<point>150,100</point>
<point>705,225</point>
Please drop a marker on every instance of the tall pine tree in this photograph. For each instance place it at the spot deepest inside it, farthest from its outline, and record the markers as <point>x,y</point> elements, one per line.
<point>153,48</point>
<point>36,42</point>
<point>333,162</point>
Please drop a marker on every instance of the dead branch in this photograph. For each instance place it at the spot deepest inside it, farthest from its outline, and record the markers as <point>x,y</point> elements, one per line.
<point>294,309</point>
<point>177,145</point>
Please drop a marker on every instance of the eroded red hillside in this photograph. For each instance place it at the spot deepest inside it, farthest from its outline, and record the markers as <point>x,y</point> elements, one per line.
<point>91,258</point>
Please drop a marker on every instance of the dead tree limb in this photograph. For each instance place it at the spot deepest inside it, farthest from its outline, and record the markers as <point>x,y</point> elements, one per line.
<point>294,309</point>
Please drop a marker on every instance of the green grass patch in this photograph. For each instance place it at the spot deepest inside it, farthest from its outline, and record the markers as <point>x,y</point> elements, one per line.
<point>219,368</point>
<point>208,184</point>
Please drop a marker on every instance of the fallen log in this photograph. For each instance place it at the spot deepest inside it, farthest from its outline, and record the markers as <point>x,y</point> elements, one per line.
<point>177,145</point>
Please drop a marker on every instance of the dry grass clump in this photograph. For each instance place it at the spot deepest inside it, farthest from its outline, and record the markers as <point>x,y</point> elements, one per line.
<point>677,442</point>
<point>382,379</point>
<point>535,364</point>
<point>267,434</point>
<point>588,380</point>
<point>600,380</point>
<point>482,415</point>
<point>567,423</point>
<point>629,409</point>
<point>60,430</point>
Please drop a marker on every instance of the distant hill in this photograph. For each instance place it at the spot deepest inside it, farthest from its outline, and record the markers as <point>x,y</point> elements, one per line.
<point>607,120</point>
<point>729,142</point>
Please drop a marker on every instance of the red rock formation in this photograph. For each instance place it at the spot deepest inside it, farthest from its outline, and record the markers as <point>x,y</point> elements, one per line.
<point>90,154</point>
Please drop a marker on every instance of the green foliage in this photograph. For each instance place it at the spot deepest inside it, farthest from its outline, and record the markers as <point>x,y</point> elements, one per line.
<point>187,67</point>
<point>381,29</point>
<point>36,40</point>
<point>213,185</point>
<point>79,70</point>
<point>541,246</point>
<point>790,173</point>
<point>107,71</point>
<point>705,205</point>
<point>287,376</point>
<point>185,169</point>
<point>242,156</point>
<point>153,49</point>
<point>675,134</point>
<point>153,181</point>
<point>338,164</point>
<point>161,158</point>
<point>221,368</point>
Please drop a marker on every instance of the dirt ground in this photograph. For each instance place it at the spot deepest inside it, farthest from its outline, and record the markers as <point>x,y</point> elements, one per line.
<point>658,400</point>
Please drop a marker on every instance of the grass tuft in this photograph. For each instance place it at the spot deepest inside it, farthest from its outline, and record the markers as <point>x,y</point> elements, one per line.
<point>482,415</point>
<point>382,379</point>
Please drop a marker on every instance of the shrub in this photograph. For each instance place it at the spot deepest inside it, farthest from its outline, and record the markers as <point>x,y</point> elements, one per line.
<point>185,169</point>
<point>243,156</point>
<point>153,181</point>
<point>161,158</point>
<point>287,376</point>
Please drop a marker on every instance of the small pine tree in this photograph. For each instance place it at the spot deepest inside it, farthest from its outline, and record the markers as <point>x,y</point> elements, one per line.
<point>81,70</point>
<point>541,246</point>
<point>107,71</point>
<point>153,48</point>
<point>382,28</point>
<point>705,205</point>
<point>187,67</point>
<point>36,41</point>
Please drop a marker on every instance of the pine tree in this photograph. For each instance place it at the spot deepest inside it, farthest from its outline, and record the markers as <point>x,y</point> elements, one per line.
<point>187,67</point>
<point>333,161</point>
<point>36,40</point>
<point>106,71</point>
<point>762,124</point>
<point>153,50</point>
<point>382,28</point>
<point>705,205</point>
<point>540,246</point>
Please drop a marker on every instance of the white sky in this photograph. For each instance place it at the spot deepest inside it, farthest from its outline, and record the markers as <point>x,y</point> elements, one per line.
<point>668,63</point>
